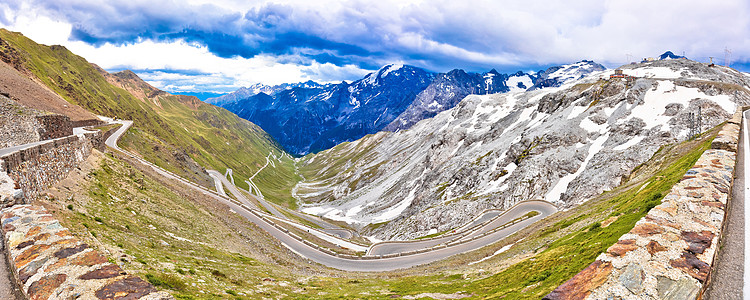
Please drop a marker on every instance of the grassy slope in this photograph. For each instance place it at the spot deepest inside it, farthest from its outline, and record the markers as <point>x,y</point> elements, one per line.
<point>180,242</point>
<point>325,165</point>
<point>211,136</point>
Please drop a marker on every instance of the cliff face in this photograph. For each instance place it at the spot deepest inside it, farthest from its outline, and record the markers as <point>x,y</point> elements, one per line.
<point>562,144</point>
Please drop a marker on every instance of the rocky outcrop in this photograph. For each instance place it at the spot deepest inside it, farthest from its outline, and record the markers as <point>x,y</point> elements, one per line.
<point>669,252</point>
<point>48,262</point>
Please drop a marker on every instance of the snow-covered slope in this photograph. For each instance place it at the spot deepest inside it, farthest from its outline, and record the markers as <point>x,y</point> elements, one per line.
<point>564,144</point>
<point>557,76</point>
<point>247,92</point>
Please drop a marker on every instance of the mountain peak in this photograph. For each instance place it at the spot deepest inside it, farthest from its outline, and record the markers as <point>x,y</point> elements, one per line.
<point>493,72</point>
<point>388,71</point>
<point>669,55</point>
<point>392,68</point>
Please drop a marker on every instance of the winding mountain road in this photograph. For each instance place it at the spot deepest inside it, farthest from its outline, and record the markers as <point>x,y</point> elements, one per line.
<point>392,262</point>
<point>497,219</point>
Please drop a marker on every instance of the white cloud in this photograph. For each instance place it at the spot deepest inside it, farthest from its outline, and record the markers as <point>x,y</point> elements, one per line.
<point>38,27</point>
<point>227,73</point>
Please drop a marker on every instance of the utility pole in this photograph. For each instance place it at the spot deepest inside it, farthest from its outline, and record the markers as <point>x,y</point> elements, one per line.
<point>691,125</point>
<point>629,57</point>
<point>700,122</point>
<point>727,56</point>
<point>695,124</point>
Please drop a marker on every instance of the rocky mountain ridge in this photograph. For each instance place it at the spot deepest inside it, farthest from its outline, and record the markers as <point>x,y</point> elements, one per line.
<point>564,145</point>
<point>309,117</point>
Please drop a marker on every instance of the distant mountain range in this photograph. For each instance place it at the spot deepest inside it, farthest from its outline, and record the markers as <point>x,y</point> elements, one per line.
<point>309,117</point>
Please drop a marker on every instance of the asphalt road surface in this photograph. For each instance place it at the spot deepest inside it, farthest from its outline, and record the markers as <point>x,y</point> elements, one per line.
<point>729,278</point>
<point>519,210</point>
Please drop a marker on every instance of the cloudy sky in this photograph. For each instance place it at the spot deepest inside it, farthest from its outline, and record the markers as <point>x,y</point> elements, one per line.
<point>218,46</point>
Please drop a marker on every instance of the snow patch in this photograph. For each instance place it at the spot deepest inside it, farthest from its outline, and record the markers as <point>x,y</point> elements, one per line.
<point>394,211</point>
<point>576,111</point>
<point>628,144</point>
<point>391,68</point>
<point>354,211</point>
<point>434,105</point>
<point>503,249</point>
<point>493,185</point>
<point>514,81</point>
<point>562,184</point>
<point>316,210</point>
<point>590,126</point>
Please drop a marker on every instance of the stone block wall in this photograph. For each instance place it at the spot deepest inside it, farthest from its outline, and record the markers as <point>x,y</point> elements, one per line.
<point>87,123</point>
<point>670,251</point>
<point>48,262</point>
<point>54,126</point>
<point>35,169</point>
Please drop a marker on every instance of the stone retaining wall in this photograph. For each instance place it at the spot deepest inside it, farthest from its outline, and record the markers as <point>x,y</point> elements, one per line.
<point>35,169</point>
<point>54,126</point>
<point>669,252</point>
<point>87,123</point>
<point>99,141</point>
<point>48,262</point>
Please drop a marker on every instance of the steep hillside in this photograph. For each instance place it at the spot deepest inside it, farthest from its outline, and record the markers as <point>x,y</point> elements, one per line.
<point>564,145</point>
<point>179,133</point>
<point>16,85</point>
<point>308,117</point>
